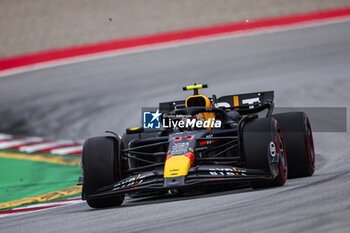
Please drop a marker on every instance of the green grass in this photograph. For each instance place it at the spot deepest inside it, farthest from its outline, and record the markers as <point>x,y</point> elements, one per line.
<point>24,178</point>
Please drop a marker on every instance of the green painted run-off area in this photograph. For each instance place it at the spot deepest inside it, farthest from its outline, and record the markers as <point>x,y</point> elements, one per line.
<point>24,178</point>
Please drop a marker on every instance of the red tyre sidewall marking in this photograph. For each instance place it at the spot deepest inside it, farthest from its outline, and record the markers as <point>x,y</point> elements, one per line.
<point>282,174</point>
<point>278,131</point>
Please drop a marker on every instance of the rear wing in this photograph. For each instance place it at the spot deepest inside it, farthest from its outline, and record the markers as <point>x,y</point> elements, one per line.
<point>247,103</point>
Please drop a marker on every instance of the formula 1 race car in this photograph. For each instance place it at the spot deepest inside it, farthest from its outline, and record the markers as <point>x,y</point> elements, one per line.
<point>202,142</point>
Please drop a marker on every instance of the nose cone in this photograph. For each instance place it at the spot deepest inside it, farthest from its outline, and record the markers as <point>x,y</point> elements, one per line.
<point>178,165</point>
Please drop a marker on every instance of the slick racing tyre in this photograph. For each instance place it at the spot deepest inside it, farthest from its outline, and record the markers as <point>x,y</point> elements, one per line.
<point>264,150</point>
<point>296,130</point>
<point>100,164</point>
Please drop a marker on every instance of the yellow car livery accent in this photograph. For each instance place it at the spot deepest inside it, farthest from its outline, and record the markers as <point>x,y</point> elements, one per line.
<point>199,86</point>
<point>177,165</point>
<point>136,128</point>
<point>236,102</point>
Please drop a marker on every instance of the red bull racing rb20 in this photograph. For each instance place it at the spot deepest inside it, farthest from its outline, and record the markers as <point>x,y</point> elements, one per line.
<point>203,142</point>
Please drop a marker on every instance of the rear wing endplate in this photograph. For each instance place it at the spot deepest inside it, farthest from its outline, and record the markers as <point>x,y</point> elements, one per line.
<point>247,103</point>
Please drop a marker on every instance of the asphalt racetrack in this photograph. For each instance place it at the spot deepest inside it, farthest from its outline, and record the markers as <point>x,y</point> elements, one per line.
<point>307,67</point>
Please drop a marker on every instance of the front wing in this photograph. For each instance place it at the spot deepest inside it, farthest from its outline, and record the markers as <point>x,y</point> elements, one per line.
<point>199,175</point>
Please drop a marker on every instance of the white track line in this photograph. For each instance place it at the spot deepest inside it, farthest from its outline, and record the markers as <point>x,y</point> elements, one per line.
<point>47,145</point>
<point>12,143</point>
<point>65,203</point>
<point>5,136</point>
<point>67,150</point>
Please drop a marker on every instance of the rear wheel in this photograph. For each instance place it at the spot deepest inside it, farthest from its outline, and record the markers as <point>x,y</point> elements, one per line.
<point>264,150</point>
<point>100,163</point>
<point>296,129</point>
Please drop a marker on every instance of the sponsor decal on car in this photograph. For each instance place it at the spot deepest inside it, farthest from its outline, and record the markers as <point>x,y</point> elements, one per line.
<point>226,172</point>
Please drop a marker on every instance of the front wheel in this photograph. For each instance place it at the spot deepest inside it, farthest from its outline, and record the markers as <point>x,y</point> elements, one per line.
<point>264,150</point>
<point>100,168</point>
